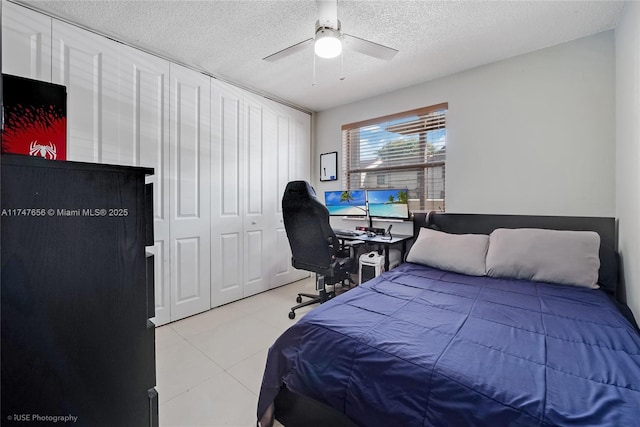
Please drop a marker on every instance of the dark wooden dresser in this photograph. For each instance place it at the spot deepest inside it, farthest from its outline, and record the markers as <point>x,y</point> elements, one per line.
<point>77,294</point>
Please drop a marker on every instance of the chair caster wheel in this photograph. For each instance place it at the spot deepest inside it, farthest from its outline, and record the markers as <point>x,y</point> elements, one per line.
<point>292,315</point>
<point>298,299</point>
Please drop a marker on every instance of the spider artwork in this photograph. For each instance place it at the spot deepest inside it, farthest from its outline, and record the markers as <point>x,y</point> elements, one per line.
<point>45,151</point>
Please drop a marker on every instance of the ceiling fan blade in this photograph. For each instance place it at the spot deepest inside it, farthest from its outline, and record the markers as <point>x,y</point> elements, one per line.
<point>288,51</point>
<point>328,13</point>
<point>369,48</point>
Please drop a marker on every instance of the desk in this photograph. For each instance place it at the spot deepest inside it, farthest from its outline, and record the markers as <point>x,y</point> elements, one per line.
<point>381,241</point>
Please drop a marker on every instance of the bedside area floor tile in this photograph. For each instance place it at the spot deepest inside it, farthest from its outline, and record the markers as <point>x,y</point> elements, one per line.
<point>209,366</point>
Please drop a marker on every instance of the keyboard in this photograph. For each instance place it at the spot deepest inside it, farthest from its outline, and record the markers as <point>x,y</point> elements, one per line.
<point>348,233</point>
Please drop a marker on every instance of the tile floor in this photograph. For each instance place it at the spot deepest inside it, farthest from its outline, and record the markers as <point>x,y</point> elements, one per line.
<point>209,366</point>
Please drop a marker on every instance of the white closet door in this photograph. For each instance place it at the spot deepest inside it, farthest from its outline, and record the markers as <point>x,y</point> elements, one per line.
<point>190,194</point>
<point>292,161</point>
<point>143,140</point>
<point>227,193</point>
<point>87,65</point>
<point>257,220</point>
<point>26,43</point>
<point>279,259</point>
<point>300,158</point>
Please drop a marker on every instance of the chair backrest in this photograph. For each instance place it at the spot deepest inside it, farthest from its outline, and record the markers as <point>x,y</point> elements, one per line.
<point>306,220</point>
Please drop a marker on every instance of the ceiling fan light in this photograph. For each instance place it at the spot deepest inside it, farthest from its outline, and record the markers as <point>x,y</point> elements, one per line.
<point>327,44</point>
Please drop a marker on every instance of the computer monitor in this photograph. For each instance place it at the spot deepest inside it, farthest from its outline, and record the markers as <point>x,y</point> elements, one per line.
<point>388,203</point>
<point>346,203</point>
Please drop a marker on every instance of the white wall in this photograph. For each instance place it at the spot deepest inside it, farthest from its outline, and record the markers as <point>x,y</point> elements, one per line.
<point>533,134</point>
<point>627,37</point>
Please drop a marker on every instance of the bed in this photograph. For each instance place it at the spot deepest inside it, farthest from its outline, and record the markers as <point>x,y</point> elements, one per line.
<point>431,346</point>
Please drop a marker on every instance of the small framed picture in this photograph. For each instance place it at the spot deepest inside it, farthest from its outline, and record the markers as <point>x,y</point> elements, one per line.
<point>35,118</point>
<point>329,166</point>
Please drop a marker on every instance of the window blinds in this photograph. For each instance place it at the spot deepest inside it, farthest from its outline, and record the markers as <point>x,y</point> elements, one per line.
<point>404,150</point>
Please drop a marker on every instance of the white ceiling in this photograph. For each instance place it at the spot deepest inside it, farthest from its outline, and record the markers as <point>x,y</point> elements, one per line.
<point>228,39</point>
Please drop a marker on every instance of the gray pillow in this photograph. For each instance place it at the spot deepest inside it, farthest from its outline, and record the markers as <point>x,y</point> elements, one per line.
<point>461,253</point>
<point>564,257</point>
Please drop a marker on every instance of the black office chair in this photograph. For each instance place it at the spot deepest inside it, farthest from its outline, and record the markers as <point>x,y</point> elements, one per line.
<point>314,245</point>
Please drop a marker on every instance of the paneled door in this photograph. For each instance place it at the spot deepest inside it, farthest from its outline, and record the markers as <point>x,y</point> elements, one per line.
<point>190,204</point>
<point>227,193</point>
<point>245,170</point>
<point>258,222</point>
<point>291,147</point>
<point>87,65</point>
<point>26,43</point>
<point>300,146</point>
<point>143,140</point>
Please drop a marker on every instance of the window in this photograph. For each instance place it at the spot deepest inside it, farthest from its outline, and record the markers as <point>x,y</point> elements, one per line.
<point>404,150</point>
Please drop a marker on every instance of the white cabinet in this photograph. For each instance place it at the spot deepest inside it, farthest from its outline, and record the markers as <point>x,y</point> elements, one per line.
<point>87,65</point>
<point>26,43</point>
<point>190,197</point>
<point>143,140</point>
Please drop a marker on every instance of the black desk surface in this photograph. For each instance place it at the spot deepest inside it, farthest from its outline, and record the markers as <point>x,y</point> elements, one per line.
<point>385,240</point>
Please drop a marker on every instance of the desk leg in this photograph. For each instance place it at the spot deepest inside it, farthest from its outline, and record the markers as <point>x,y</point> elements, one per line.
<point>386,257</point>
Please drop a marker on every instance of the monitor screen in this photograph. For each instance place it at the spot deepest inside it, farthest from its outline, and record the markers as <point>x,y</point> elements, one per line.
<point>388,203</point>
<point>346,203</point>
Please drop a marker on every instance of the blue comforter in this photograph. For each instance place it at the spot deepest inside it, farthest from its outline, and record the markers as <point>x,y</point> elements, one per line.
<point>419,346</point>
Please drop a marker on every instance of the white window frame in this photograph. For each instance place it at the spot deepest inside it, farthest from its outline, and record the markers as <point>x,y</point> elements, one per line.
<point>424,172</point>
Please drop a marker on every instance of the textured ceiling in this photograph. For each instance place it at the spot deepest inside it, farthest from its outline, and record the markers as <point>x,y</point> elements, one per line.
<point>228,39</point>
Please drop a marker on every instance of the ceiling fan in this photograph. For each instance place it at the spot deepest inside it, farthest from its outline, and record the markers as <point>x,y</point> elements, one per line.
<point>329,38</point>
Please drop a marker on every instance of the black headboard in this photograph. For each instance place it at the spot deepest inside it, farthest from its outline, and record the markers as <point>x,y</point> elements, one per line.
<point>485,224</point>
